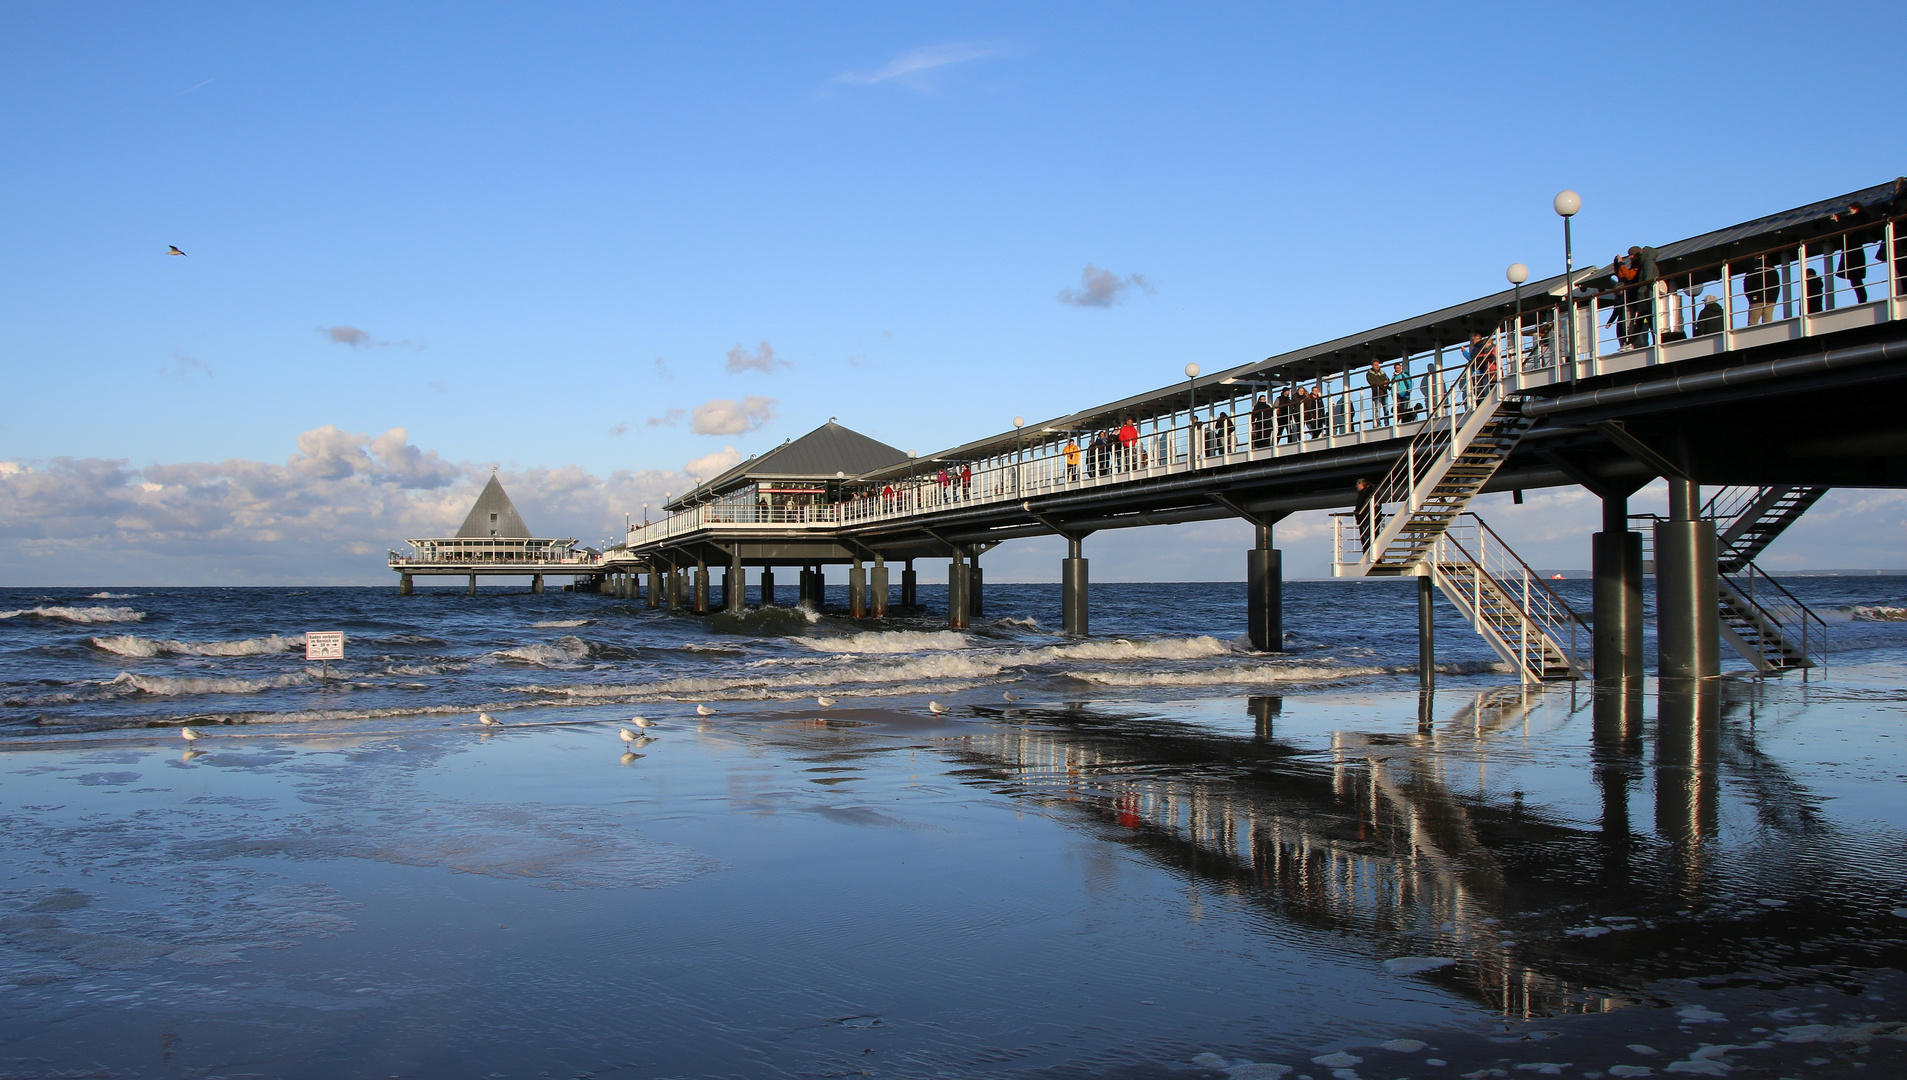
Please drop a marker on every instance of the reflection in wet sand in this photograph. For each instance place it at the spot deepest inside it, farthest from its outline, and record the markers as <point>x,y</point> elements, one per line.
<point>1399,843</point>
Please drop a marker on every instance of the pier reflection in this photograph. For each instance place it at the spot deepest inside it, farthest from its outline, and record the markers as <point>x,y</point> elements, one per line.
<point>1404,842</point>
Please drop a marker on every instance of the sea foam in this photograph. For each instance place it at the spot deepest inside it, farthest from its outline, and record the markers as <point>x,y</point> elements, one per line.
<point>78,614</point>
<point>132,645</point>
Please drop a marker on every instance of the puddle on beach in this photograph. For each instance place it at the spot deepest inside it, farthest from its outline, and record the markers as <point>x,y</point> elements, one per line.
<point>1348,884</point>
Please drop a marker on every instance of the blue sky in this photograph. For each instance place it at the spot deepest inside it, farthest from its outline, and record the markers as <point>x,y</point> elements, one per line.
<point>520,233</point>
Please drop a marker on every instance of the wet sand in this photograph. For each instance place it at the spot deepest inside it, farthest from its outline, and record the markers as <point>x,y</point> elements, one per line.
<point>1518,880</point>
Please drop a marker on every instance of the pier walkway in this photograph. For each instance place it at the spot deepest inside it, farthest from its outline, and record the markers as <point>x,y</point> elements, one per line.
<point>1767,358</point>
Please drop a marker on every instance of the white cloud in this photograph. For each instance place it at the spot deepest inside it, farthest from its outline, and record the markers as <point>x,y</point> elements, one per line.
<point>914,69</point>
<point>325,516</point>
<point>1102,288</point>
<point>671,418</point>
<point>621,428</point>
<point>725,417</point>
<point>762,360</point>
<point>704,468</point>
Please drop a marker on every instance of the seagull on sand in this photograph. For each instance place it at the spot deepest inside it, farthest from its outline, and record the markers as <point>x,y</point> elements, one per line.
<point>1009,695</point>
<point>170,250</point>
<point>642,722</point>
<point>627,735</point>
<point>824,701</point>
<point>936,708</point>
<point>188,734</point>
<point>487,720</point>
<point>704,710</point>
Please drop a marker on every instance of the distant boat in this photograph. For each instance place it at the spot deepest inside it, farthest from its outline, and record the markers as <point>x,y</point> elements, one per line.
<point>1556,577</point>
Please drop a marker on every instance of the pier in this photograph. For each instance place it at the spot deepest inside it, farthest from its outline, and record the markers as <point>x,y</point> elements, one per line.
<point>1752,367</point>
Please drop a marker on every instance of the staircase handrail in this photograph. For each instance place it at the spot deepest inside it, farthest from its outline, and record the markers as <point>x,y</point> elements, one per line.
<point>1728,503</point>
<point>1813,637</point>
<point>1421,454</point>
<point>1542,605</point>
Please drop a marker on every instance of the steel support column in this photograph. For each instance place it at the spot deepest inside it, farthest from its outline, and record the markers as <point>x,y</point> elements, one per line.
<point>909,586</point>
<point>1616,561</point>
<point>655,587</point>
<point>1264,594</point>
<point>958,604</point>
<point>857,591</point>
<point>1073,605</point>
<point>767,586</point>
<point>701,588</point>
<point>1687,612</point>
<point>879,588</point>
<point>1426,633</point>
<point>536,583</point>
<point>404,585</point>
<point>472,590</point>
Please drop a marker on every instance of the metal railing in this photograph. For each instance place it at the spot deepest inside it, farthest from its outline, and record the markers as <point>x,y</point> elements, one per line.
<point>1239,421</point>
<point>1498,578</point>
<point>1796,628</point>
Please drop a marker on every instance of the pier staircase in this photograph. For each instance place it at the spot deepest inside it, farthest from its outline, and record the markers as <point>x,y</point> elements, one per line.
<point>1509,604</point>
<point>1505,601</point>
<point>1444,467</point>
<point>1763,622</point>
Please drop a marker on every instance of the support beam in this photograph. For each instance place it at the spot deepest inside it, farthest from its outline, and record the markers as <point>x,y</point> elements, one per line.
<point>857,591</point>
<point>910,586</point>
<point>959,615</point>
<point>975,585</point>
<point>1264,594</point>
<point>1426,635</point>
<point>655,586</point>
<point>1687,612</point>
<point>701,588</point>
<point>767,586</point>
<point>735,583</point>
<point>1073,605</point>
<point>404,586</point>
<point>1616,561</point>
<point>536,583</point>
<point>878,587</point>
<point>472,590</point>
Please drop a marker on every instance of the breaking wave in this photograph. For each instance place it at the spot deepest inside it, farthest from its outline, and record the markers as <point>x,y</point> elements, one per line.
<point>177,686</point>
<point>1228,676</point>
<point>131,645</point>
<point>563,652</point>
<point>560,624</point>
<point>78,614</point>
<point>111,596</point>
<point>890,641</point>
<point>1878,613</point>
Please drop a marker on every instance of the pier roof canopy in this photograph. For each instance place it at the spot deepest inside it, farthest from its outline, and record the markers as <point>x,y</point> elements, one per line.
<point>494,515</point>
<point>821,454</point>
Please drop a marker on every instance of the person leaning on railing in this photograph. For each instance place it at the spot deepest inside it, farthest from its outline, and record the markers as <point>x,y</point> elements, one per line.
<point>1380,384</point>
<point>1480,355</point>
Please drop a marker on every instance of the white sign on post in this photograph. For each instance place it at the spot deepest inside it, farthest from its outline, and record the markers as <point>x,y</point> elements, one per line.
<point>324,645</point>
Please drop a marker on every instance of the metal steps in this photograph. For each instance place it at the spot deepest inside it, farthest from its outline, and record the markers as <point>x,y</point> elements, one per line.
<point>1508,603</point>
<point>1444,467</point>
<point>1749,518</point>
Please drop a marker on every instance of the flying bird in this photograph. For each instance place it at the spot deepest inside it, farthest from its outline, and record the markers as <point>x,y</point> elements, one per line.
<point>487,720</point>
<point>936,708</point>
<point>824,701</point>
<point>188,734</point>
<point>170,250</point>
<point>704,710</point>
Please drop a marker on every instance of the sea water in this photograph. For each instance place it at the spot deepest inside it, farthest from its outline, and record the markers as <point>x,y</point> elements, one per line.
<point>1152,852</point>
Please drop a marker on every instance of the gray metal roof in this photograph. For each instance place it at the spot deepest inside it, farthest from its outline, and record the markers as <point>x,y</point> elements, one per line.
<point>818,455</point>
<point>508,524</point>
<point>1445,327</point>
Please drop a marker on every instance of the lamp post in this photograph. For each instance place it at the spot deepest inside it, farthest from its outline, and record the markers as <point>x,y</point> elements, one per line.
<point>1518,274</point>
<point>1018,423</point>
<point>1191,416</point>
<point>1567,203</point>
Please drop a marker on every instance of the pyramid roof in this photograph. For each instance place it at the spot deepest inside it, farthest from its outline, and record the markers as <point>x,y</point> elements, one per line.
<point>818,455</point>
<point>507,523</point>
